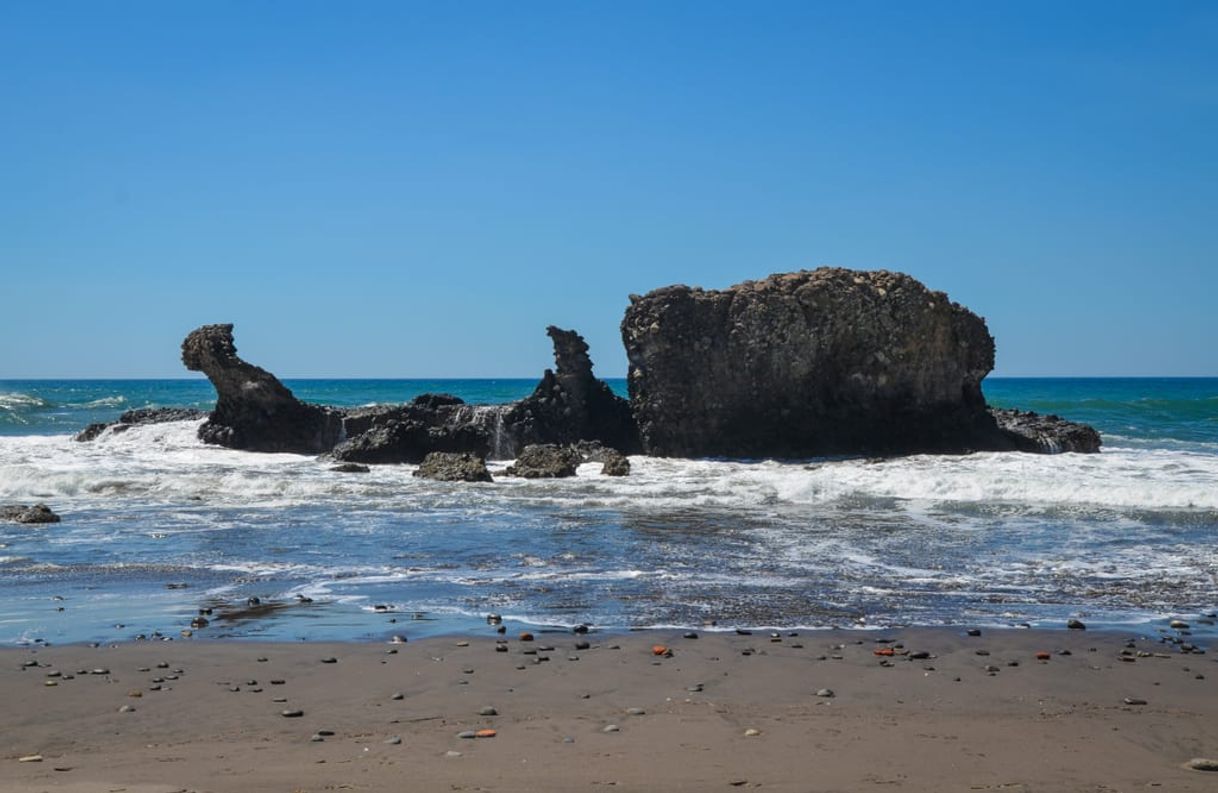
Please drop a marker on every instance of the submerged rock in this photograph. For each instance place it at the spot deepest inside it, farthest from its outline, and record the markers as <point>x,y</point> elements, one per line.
<point>140,416</point>
<point>453,467</point>
<point>1032,432</point>
<point>254,410</point>
<point>545,461</point>
<point>616,464</point>
<point>351,468</point>
<point>817,362</point>
<point>20,513</point>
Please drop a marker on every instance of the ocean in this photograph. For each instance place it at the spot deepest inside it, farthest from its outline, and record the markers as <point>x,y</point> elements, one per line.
<point>157,526</point>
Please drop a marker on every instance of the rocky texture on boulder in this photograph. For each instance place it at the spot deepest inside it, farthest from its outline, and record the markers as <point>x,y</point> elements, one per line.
<point>254,410</point>
<point>141,416</point>
<point>408,433</point>
<point>616,464</point>
<point>545,461</point>
<point>817,362</point>
<point>453,467</point>
<point>613,462</point>
<point>1033,432</point>
<point>570,404</point>
<point>20,513</point>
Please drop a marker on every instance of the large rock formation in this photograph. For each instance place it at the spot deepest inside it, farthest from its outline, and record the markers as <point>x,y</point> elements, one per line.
<point>827,361</point>
<point>253,409</point>
<point>570,404</point>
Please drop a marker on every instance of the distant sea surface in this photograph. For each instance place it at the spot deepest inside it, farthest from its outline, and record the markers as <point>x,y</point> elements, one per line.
<point>157,525</point>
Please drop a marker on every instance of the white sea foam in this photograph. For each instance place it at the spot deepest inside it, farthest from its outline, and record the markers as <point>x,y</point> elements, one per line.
<point>165,463</point>
<point>15,400</point>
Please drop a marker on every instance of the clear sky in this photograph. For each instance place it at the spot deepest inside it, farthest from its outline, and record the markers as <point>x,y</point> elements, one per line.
<point>412,189</point>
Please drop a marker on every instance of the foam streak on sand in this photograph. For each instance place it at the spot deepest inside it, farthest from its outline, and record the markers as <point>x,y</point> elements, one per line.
<point>918,709</point>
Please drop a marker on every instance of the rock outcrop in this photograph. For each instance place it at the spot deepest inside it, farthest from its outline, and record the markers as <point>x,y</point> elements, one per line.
<point>820,362</point>
<point>545,461</point>
<point>254,410</point>
<point>20,513</point>
<point>137,416</point>
<point>616,464</point>
<point>570,404</point>
<point>453,467</point>
<point>408,433</point>
<point>1032,432</point>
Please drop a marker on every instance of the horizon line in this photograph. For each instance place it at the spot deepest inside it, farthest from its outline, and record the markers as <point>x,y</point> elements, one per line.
<point>601,377</point>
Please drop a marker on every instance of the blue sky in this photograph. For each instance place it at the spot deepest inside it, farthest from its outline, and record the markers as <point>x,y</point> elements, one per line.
<point>397,189</point>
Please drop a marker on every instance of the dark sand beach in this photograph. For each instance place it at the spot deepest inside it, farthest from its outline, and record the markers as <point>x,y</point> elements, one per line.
<point>821,711</point>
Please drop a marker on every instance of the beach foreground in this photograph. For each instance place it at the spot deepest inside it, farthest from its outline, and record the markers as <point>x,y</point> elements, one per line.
<point>822,711</point>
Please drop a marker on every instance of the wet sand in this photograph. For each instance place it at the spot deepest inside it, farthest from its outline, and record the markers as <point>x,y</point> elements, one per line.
<point>724,712</point>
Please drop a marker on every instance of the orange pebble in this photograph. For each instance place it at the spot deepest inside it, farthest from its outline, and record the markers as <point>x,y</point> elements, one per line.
<point>885,651</point>
<point>1042,656</point>
<point>526,637</point>
<point>659,649</point>
<point>486,733</point>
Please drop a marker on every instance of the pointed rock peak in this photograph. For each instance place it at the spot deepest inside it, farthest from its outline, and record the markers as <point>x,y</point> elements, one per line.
<point>570,352</point>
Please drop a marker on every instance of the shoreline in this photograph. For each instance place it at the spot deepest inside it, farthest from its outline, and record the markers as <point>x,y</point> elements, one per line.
<point>973,713</point>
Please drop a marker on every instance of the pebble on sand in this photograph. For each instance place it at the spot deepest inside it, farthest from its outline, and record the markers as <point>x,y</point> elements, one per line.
<point>752,732</point>
<point>1202,764</point>
<point>1075,625</point>
<point>30,758</point>
<point>825,692</point>
<point>292,714</point>
<point>488,711</point>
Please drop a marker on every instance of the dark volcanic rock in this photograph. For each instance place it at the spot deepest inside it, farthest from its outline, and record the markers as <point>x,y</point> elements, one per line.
<point>453,467</point>
<point>613,462</point>
<point>409,441</point>
<point>545,461</point>
<point>92,431</point>
<point>141,416</point>
<point>816,362</point>
<point>1032,432</point>
<point>570,404</point>
<point>408,433</point>
<point>160,415</point>
<point>351,468</point>
<point>19,513</point>
<point>253,409</point>
<point>616,464</point>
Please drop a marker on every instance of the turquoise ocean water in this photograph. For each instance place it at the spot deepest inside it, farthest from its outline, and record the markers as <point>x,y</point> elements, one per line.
<point>157,526</point>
